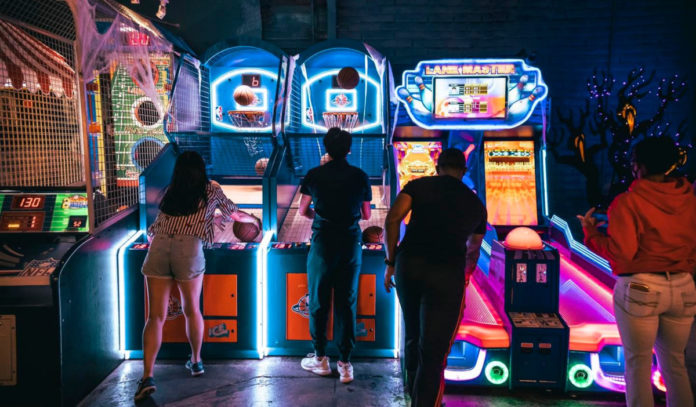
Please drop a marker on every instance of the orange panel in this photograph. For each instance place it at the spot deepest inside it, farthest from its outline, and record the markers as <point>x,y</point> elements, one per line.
<point>365,329</point>
<point>367,295</point>
<point>220,295</point>
<point>220,330</point>
<point>297,309</point>
<point>174,329</point>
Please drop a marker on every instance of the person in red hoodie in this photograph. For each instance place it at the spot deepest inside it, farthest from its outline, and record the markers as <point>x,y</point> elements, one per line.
<point>651,247</point>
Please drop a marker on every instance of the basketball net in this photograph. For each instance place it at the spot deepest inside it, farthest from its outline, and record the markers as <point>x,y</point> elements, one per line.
<point>247,119</point>
<point>343,120</point>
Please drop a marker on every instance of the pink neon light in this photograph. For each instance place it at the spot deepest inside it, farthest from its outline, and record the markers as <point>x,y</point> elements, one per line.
<point>609,382</point>
<point>658,381</point>
<point>476,327</point>
<point>590,329</point>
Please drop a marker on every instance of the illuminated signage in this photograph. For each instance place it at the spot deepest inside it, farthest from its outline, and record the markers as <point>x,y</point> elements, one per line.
<point>473,94</point>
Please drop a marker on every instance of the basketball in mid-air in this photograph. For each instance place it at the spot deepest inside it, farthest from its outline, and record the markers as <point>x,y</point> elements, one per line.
<point>245,232</point>
<point>348,78</point>
<point>244,95</point>
<point>373,234</point>
<point>260,166</point>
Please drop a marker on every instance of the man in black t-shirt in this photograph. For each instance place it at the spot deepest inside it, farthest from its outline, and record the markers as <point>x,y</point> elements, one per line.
<point>341,195</point>
<point>433,265</point>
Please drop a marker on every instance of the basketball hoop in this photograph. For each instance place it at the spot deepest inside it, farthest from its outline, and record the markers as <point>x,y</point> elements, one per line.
<point>247,118</point>
<point>343,120</point>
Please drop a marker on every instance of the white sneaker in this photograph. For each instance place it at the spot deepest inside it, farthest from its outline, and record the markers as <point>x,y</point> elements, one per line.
<point>345,370</point>
<point>316,365</point>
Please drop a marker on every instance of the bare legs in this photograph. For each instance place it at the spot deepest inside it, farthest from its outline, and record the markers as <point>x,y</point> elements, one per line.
<point>158,292</point>
<point>191,298</point>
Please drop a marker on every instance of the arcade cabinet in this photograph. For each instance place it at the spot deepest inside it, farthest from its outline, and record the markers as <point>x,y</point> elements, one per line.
<point>58,283</point>
<point>232,121</point>
<point>318,102</point>
<point>497,113</point>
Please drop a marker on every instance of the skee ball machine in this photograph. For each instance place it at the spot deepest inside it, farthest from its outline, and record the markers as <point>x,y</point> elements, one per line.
<point>316,103</point>
<point>236,135</point>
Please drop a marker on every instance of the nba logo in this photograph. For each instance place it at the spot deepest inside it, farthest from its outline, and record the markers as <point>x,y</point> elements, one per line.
<point>218,113</point>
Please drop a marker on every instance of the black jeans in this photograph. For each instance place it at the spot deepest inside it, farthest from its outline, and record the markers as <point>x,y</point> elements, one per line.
<point>431,294</point>
<point>334,264</point>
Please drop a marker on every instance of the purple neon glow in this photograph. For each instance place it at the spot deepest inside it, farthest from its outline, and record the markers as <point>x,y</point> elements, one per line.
<point>609,382</point>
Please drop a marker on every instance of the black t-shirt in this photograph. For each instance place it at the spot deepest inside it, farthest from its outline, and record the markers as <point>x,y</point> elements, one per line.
<point>444,213</point>
<point>338,190</point>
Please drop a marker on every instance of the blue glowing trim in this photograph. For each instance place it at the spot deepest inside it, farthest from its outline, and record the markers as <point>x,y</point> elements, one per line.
<point>486,247</point>
<point>352,105</point>
<point>318,127</point>
<point>261,303</point>
<point>488,126</point>
<point>120,270</point>
<point>580,248</point>
<point>214,98</point>
<point>397,326</point>
<point>544,191</point>
<point>463,375</point>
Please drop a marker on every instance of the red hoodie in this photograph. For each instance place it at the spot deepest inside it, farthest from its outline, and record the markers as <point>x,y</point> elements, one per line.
<point>652,227</point>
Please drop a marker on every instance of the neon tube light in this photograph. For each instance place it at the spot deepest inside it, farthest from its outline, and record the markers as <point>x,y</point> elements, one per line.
<point>214,97</point>
<point>610,382</point>
<point>261,308</point>
<point>463,375</point>
<point>580,248</point>
<point>120,271</point>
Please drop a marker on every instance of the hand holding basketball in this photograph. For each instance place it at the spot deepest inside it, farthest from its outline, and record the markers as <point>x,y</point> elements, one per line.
<point>260,166</point>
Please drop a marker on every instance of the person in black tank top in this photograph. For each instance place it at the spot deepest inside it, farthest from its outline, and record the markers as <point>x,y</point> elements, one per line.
<point>432,267</point>
<point>341,195</point>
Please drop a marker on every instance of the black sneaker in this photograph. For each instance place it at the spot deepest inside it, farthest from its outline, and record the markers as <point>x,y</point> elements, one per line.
<point>146,387</point>
<point>195,368</point>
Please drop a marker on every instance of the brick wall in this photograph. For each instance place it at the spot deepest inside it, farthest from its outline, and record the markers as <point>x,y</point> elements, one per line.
<point>567,38</point>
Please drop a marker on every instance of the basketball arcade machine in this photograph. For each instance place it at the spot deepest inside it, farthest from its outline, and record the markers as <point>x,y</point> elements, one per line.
<point>58,284</point>
<point>236,132</point>
<point>317,103</point>
<point>508,161</point>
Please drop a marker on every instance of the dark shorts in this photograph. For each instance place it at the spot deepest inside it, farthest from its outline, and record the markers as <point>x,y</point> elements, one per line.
<point>174,256</point>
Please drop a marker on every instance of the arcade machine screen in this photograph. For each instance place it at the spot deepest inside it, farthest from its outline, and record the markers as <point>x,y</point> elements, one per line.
<point>470,98</point>
<point>510,182</point>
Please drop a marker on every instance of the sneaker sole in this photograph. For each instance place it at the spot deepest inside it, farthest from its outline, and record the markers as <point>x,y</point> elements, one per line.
<point>318,372</point>
<point>144,393</point>
<point>194,374</point>
<point>346,381</point>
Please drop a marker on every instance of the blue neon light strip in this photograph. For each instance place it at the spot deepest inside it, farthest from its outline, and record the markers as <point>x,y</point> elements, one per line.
<point>261,287</point>
<point>580,248</point>
<point>120,268</point>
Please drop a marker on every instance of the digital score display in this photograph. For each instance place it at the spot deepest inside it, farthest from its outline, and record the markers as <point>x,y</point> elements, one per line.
<point>22,221</point>
<point>470,98</point>
<point>251,80</point>
<point>28,202</point>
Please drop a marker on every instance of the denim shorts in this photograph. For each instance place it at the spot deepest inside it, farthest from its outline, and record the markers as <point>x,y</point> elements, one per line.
<point>174,256</point>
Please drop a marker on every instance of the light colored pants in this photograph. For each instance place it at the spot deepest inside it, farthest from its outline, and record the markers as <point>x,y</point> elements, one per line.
<point>655,310</point>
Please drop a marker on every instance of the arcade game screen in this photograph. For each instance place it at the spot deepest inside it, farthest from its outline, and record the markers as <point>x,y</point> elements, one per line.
<point>510,182</point>
<point>416,159</point>
<point>470,97</point>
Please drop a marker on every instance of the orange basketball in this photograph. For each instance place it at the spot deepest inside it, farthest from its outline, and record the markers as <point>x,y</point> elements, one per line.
<point>244,95</point>
<point>348,78</point>
<point>260,166</point>
<point>373,234</point>
<point>246,232</point>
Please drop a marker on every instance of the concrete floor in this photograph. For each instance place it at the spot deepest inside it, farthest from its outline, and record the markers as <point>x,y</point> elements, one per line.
<point>279,381</point>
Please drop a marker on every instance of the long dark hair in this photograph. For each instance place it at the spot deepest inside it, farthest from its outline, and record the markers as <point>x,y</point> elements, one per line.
<point>187,188</point>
